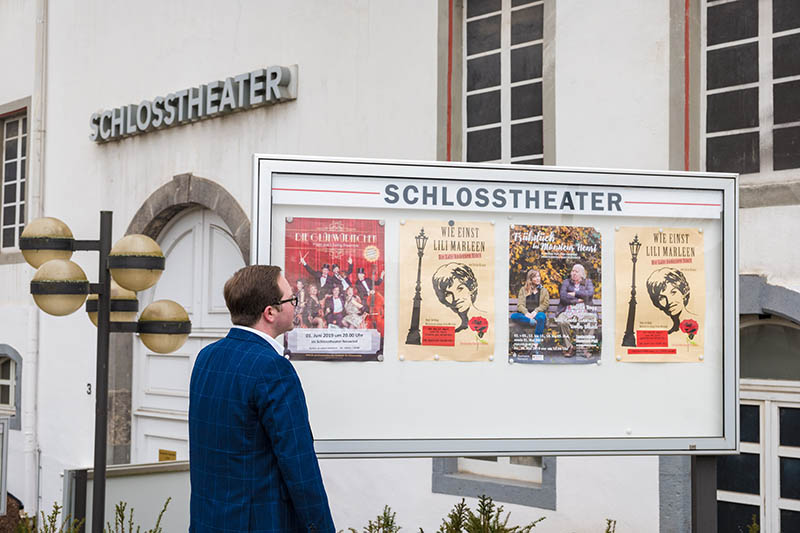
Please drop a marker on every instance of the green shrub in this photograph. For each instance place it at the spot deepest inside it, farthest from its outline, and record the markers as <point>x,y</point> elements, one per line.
<point>120,525</point>
<point>49,524</point>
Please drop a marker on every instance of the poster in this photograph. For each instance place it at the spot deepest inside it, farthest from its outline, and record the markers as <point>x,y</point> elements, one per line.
<point>446,290</point>
<point>336,269</point>
<point>660,284</point>
<point>554,294</point>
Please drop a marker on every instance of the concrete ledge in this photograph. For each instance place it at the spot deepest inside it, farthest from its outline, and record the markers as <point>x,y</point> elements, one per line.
<point>786,193</point>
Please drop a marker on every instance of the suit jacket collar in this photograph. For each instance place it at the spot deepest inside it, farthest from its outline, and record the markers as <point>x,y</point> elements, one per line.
<point>248,334</point>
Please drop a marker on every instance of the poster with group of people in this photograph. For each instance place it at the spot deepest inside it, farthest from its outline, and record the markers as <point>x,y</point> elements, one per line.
<point>446,292</point>
<point>336,267</point>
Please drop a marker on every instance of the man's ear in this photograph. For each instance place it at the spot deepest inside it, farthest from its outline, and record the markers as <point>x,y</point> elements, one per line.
<point>268,314</point>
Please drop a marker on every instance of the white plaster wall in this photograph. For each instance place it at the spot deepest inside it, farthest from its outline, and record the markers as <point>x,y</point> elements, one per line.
<point>15,330</point>
<point>612,84</point>
<point>367,88</point>
<point>767,247</point>
<point>590,489</point>
<point>17,27</point>
<point>17,30</point>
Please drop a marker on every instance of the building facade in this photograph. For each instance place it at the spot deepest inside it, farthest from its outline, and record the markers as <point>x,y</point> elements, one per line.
<point>698,85</point>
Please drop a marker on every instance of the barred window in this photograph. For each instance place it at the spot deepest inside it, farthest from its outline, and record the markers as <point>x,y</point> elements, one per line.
<point>503,81</point>
<point>14,143</point>
<point>752,82</point>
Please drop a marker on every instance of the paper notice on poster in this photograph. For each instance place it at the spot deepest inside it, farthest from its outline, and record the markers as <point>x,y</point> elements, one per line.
<point>660,289</point>
<point>446,290</point>
<point>336,269</point>
<point>555,286</point>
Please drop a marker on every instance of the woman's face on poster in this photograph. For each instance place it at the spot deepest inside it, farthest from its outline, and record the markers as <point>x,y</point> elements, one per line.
<point>671,300</point>
<point>535,278</point>
<point>312,290</point>
<point>349,292</point>
<point>460,296</point>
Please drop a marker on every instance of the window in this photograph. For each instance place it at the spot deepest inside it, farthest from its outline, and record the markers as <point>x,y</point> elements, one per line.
<point>503,76</point>
<point>7,386</point>
<point>10,380</point>
<point>523,480</point>
<point>763,481</point>
<point>13,142</point>
<point>752,82</point>
<point>523,468</point>
<point>503,115</point>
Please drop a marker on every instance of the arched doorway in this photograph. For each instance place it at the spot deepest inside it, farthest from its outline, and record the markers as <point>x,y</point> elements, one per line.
<point>201,254</point>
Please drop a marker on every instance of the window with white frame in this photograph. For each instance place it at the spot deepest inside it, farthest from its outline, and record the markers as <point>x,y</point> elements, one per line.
<point>762,483</point>
<point>503,120</point>
<point>752,83</point>
<point>523,468</point>
<point>7,386</point>
<point>503,73</point>
<point>13,142</point>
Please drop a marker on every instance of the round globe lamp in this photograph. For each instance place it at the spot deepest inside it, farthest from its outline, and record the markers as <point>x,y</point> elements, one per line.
<point>136,262</point>
<point>59,287</point>
<point>124,305</point>
<point>164,326</point>
<point>44,239</point>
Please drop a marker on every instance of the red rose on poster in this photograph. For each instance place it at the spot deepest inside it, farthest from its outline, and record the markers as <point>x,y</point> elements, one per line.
<point>689,327</point>
<point>479,325</point>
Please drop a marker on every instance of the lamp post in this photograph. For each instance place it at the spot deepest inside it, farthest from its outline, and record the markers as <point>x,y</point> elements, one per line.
<point>414,336</point>
<point>60,287</point>
<point>629,339</point>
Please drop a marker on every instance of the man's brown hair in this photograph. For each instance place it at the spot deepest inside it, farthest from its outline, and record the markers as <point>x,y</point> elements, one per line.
<point>250,290</point>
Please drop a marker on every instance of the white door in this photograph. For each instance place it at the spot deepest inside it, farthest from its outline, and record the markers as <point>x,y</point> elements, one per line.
<point>200,256</point>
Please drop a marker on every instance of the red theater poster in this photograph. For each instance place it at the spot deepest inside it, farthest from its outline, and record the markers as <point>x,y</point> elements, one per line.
<point>336,268</point>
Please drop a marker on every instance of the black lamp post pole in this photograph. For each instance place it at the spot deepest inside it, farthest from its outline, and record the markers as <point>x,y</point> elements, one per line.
<point>413,336</point>
<point>629,339</point>
<point>101,381</point>
<point>103,291</point>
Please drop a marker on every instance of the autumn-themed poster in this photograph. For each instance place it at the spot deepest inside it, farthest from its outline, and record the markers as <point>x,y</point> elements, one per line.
<point>446,290</point>
<point>554,294</point>
<point>660,289</point>
<point>336,270</point>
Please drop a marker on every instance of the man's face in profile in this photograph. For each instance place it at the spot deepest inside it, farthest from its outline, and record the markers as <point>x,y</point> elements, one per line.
<point>285,317</point>
<point>575,274</point>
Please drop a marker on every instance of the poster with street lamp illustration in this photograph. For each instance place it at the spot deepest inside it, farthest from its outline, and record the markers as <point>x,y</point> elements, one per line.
<point>336,270</point>
<point>554,294</point>
<point>446,290</point>
<point>660,289</point>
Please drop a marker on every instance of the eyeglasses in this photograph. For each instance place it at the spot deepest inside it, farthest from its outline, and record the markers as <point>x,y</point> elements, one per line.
<point>292,300</point>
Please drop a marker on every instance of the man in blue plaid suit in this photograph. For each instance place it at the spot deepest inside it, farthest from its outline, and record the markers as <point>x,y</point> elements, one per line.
<point>251,453</point>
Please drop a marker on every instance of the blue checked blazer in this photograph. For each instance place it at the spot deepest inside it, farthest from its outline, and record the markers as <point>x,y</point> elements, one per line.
<point>251,453</point>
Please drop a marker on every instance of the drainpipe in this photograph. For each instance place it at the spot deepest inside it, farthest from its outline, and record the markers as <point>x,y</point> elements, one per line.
<point>31,420</point>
